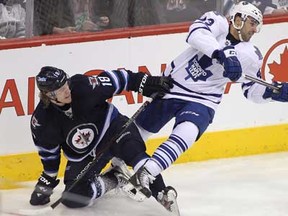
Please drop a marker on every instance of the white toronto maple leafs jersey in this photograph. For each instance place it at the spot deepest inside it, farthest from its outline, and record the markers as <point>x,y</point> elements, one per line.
<point>198,77</point>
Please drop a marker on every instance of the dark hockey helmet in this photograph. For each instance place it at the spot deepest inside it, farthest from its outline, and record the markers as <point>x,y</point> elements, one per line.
<point>50,79</point>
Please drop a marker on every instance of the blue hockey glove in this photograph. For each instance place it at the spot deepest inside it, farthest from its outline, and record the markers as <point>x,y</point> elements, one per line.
<point>277,95</point>
<point>228,58</point>
<point>43,190</point>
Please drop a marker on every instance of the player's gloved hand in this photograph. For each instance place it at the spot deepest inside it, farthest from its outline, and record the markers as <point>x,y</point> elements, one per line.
<point>228,58</point>
<point>155,84</point>
<point>277,95</point>
<point>43,190</point>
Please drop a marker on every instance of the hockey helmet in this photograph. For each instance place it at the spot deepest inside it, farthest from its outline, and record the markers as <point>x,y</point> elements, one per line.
<point>246,9</point>
<point>50,79</point>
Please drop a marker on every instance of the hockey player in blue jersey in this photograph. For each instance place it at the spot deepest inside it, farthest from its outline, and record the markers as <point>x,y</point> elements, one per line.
<point>74,116</point>
<point>220,51</point>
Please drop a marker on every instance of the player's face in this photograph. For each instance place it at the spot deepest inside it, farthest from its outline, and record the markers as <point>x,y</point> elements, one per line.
<point>249,29</point>
<point>62,95</point>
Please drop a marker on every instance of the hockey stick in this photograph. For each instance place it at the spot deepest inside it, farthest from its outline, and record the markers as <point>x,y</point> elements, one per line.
<point>91,164</point>
<point>261,82</point>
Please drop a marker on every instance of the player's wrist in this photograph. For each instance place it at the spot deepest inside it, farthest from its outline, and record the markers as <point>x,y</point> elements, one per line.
<point>219,56</point>
<point>215,54</point>
<point>48,181</point>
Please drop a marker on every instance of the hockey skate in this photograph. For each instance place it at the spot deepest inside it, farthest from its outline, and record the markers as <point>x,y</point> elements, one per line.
<point>123,174</point>
<point>141,180</point>
<point>167,198</point>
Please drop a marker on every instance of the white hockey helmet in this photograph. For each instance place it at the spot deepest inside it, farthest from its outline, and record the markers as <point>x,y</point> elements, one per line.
<point>246,9</point>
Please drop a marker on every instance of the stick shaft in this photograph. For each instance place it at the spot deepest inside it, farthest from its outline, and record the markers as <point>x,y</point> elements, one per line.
<point>261,82</point>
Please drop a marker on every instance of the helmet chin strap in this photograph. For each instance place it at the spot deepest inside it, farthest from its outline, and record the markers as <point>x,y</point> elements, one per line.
<point>238,29</point>
<point>239,35</point>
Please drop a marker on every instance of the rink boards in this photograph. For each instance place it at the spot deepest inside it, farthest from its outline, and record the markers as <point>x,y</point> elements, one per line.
<point>213,145</point>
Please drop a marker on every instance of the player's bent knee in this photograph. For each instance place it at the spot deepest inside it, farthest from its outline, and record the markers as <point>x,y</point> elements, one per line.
<point>78,197</point>
<point>76,203</point>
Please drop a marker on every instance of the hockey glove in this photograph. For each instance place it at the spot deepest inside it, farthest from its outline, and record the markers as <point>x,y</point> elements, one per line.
<point>43,190</point>
<point>277,95</point>
<point>155,84</point>
<point>228,58</point>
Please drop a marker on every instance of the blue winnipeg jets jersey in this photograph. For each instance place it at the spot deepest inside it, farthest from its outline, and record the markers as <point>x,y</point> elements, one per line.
<point>198,77</point>
<point>79,128</point>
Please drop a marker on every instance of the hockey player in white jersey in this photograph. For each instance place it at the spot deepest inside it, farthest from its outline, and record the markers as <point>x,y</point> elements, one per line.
<point>220,51</point>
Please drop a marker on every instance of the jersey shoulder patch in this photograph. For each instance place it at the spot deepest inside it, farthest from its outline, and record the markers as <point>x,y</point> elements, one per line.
<point>93,81</point>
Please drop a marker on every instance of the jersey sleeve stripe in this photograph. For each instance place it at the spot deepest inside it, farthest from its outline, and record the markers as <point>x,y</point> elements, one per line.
<point>52,151</point>
<point>125,77</point>
<point>115,80</point>
<point>47,158</point>
<point>188,90</point>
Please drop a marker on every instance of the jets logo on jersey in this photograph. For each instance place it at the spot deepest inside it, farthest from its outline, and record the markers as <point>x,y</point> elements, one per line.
<point>81,137</point>
<point>196,71</point>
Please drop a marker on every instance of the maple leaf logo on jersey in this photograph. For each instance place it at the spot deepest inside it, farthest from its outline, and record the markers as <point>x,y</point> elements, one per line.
<point>196,68</point>
<point>280,71</point>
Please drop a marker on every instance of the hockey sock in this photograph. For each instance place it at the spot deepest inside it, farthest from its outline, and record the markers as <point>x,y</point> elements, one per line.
<point>182,138</point>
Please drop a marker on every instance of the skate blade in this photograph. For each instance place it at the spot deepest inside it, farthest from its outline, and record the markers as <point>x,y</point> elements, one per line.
<point>134,182</point>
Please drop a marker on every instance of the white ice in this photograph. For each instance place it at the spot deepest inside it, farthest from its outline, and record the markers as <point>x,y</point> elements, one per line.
<point>243,186</point>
